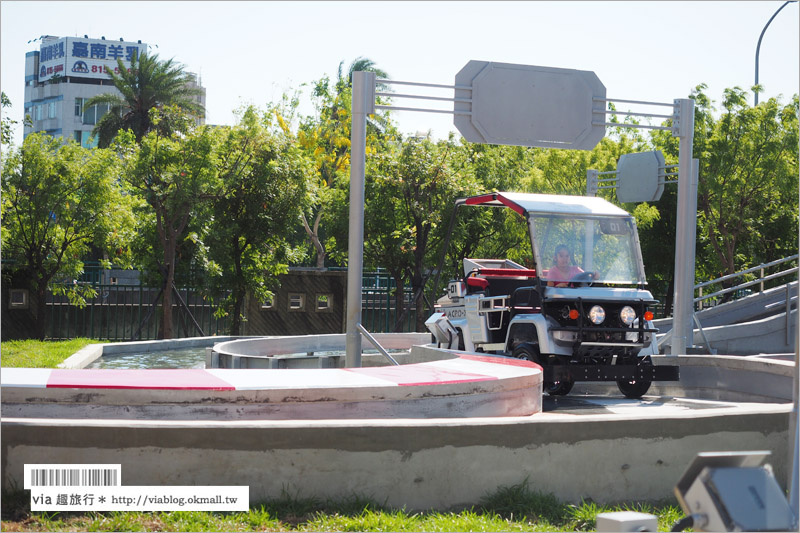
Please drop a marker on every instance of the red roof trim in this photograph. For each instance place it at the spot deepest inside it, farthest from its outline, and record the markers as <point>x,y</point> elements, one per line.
<point>487,199</point>
<point>512,272</point>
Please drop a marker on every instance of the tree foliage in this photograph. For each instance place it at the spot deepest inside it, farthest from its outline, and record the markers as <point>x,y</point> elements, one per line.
<point>149,84</point>
<point>325,138</point>
<point>749,167</point>
<point>263,187</point>
<point>59,200</point>
<point>176,176</point>
<point>410,192</point>
<point>747,197</point>
<point>240,204</point>
<point>7,124</point>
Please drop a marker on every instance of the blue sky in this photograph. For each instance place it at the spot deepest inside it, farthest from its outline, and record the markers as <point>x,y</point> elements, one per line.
<point>253,52</point>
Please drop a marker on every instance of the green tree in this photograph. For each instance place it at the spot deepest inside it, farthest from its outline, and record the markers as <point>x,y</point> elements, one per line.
<point>486,233</point>
<point>409,194</point>
<point>747,198</point>
<point>325,137</point>
<point>749,162</point>
<point>263,189</point>
<point>7,124</point>
<point>58,200</point>
<point>176,176</point>
<point>149,84</point>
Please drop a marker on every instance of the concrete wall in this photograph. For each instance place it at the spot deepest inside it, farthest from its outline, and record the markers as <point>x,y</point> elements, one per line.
<point>417,464</point>
<point>309,285</point>
<point>771,335</point>
<point>460,387</point>
<point>318,351</point>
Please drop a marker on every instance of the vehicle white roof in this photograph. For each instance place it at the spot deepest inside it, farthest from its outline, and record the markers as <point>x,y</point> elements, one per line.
<point>549,203</point>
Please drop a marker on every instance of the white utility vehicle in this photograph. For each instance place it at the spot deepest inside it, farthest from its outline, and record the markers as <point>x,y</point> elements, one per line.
<point>582,312</point>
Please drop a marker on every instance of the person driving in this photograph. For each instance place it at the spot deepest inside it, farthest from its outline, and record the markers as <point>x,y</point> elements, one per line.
<point>563,271</point>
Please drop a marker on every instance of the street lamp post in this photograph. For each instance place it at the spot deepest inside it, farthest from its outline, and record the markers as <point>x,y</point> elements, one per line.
<point>758,47</point>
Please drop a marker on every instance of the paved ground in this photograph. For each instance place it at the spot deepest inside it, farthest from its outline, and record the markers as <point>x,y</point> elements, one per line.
<point>655,405</point>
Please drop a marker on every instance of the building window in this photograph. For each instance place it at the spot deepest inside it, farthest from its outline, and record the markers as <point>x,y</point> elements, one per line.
<point>79,106</point>
<point>51,110</point>
<point>38,112</point>
<point>324,303</point>
<point>18,299</point>
<point>77,135</point>
<point>93,114</point>
<point>297,301</point>
<point>268,303</point>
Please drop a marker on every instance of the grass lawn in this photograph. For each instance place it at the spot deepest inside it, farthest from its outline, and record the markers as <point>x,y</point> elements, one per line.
<point>516,508</point>
<point>39,354</point>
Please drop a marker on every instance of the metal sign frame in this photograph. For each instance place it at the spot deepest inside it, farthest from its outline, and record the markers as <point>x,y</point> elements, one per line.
<point>682,127</point>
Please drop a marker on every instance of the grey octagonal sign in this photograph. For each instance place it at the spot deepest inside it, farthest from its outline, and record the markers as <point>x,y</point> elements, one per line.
<point>527,105</point>
<point>639,177</point>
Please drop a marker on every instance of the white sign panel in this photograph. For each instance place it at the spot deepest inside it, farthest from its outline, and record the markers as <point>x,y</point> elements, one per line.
<point>527,105</point>
<point>84,58</point>
<point>638,177</point>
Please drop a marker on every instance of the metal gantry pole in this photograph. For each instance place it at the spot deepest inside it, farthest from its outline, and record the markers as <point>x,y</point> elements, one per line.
<point>683,301</point>
<point>363,105</point>
<point>794,418</point>
<point>794,430</point>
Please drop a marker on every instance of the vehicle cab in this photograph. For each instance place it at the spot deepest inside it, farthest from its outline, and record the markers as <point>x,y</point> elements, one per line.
<point>583,312</point>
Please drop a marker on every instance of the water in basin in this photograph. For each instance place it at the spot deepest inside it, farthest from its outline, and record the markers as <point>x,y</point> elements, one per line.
<point>186,358</point>
<point>179,358</point>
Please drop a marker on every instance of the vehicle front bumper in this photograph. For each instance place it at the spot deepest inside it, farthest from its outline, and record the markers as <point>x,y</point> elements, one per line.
<point>553,373</point>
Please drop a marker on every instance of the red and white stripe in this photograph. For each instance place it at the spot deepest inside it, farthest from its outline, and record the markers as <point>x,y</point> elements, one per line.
<point>464,369</point>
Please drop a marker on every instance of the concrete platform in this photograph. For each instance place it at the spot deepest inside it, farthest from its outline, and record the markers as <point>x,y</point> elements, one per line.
<point>591,444</point>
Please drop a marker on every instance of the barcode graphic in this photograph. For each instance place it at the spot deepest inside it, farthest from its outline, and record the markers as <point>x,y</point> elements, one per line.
<point>73,477</point>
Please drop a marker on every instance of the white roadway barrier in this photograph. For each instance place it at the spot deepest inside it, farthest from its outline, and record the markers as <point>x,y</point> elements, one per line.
<point>462,385</point>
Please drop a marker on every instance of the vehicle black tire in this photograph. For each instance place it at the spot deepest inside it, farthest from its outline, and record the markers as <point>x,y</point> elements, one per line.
<point>635,389</point>
<point>558,388</point>
<point>530,352</point>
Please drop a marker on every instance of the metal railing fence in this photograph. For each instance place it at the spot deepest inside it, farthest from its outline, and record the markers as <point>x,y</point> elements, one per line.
<point>379,311</point>
<point>740,284</point>
<point>117,312</point>
<point>118,309</point>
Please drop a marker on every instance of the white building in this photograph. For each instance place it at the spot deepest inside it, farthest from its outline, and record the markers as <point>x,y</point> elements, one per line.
<point>64,74</point>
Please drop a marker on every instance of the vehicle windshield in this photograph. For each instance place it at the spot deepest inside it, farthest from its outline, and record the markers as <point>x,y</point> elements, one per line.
<point>567,248</point>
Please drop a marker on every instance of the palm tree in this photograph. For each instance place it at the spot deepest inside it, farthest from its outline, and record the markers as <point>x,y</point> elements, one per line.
<point>150,83</point>
<point>377,121</point>
<point>359,64</point>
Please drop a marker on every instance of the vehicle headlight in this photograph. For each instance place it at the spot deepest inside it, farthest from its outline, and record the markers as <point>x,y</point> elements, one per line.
<point>597,314</point>
<point>627,315</point>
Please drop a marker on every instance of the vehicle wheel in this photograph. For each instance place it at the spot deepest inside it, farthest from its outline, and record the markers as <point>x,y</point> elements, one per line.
<point>530,352</point>
<point>635,389</point>
<point>558,388</point>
